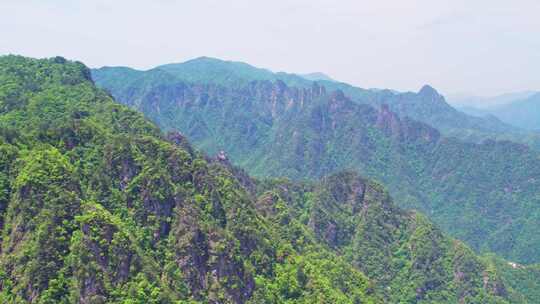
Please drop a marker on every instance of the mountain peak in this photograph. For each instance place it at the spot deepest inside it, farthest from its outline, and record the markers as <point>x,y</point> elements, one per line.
<point>317,76</point>
<point>428,90</point>
<point>205,59</point>
<point>218,71</point>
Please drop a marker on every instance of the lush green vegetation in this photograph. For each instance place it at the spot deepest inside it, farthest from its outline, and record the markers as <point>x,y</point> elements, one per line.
<point>427,105</point>
<point>485,194</point>
<point>98,206</point>
<point>407,258</point>
<point>521,281</point>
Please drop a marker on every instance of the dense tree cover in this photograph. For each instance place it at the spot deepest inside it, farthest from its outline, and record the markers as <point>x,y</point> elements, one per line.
<point>523,281</point>
<point>427,105</point>
<point>485,194</point>
<point>98,206</point>
<point>408,259</point>
<point>430,107</point>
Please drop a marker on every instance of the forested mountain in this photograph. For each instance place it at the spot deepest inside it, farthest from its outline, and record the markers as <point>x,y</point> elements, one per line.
<point>524,279</point>
<point>430,107</point>
<point>99,206</point>
<point>426,106</point>
<point>483,193</point>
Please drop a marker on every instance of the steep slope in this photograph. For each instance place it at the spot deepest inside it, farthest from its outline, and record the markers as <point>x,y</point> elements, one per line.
<point>430,107</point>
<point>400,251</point>
<point>485,194</point>
<point>97,206</point>
<point>427,105</point>
<point>205,70</point>
<point>522,281</point>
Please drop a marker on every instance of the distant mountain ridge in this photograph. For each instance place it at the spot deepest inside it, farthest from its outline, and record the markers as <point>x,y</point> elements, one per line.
<point>472,125</point>
<point>317,76</point>
<point>523,113</point>
<point>463,100</point>
<point>432,109</point>
<point>273,128</point>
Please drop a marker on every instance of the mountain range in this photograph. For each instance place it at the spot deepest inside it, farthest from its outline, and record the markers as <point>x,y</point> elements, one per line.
<point>317,76</point>
<point>522,112</point>
<point>426,106</point>
<point>480,102</point>
<point>98,205</point>
<point>276,125</point>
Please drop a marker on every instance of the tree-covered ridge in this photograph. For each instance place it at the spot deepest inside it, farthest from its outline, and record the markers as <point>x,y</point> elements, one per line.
<point>522,280</point>
<point>430,107</point>
<point>205,70</point>
<point>485,194</point>
<point>409,260</point>
<point>427,105</point>
<point>98,206</point>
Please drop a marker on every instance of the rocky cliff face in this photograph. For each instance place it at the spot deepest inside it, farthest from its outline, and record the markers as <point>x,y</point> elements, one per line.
<point>430,107</point>
<point>427,106</point>
<point>404,129</point>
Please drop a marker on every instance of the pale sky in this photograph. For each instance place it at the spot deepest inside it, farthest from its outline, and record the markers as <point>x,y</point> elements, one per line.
<point>460,46</point>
